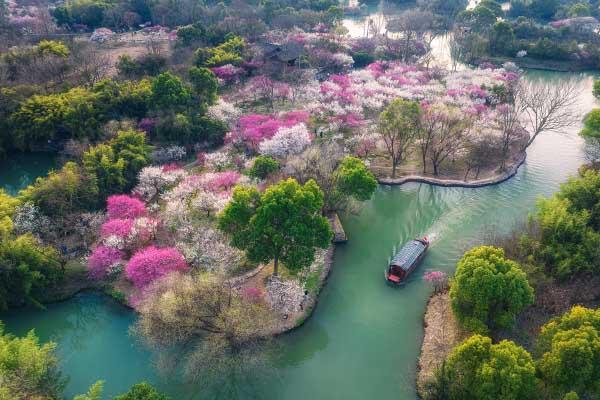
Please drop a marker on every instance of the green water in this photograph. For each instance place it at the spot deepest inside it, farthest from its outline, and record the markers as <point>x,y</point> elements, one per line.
<point>20,169</point>
<point>364,337</point>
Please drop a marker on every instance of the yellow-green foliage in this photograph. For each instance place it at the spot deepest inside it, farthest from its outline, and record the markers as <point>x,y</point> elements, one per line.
<point>479,370</point>
<point>488,290</point>
<point>570,352</point>
<point>28,370</point>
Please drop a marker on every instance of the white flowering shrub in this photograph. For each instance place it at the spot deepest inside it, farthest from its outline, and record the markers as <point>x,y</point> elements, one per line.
<point>224,112</point>
<point>169,154</point>
<point>287,141</point>
<point>218,161</point>
<point>28,218</point>
<point>152,181</point>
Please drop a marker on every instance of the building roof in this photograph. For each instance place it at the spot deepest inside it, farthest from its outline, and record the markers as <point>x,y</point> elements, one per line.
<point>408,254</point>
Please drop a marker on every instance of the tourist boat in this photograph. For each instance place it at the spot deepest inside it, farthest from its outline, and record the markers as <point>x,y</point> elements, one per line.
<point>406,260</point>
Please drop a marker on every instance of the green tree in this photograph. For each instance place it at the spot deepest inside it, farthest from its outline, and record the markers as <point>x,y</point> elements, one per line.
<point>488,290</point>
<point>596,89</point>
<point>114,165</point>
<point>169,92</point>
<point>263,166</point>
<point>570,348</point>
<point>28,370</point>
<point>502,38</point>
<point>282,224</point>
<point>62,192</point>
<point>204,84</point>
<point>579,10</point>
<point>94,392</point>
<point>142,391</point>
<point>591,123</point>
<point>398,126</point>
<point>479,370</point>
<point>566,244</point>
<point>354,180</point>
<point>27,269</point>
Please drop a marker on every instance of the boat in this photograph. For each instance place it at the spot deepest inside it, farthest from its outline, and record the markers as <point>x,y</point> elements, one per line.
<point>406,261</point>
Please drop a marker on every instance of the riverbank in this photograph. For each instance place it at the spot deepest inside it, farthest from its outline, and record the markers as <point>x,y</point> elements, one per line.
<point>529,63</point>
<point>441,334</point>
<point>490,178</point>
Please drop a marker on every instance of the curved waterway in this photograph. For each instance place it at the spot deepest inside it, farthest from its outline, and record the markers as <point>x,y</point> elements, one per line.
<point>364,337</point>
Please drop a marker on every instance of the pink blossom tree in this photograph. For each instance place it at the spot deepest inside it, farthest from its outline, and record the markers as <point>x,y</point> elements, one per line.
<point>116,227</point>
<point>123,206</point>
<point>101,261</point>
<point>152,263</point>
<point>438,279</point>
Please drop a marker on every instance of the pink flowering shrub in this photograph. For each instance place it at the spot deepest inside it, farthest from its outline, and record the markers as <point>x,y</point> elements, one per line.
<point>116,227</point>
<point>255,128</point>
<point>122,206</point>
<point>222,181</point>
<point>102,259</point>
<point>228,73</point>
<point>152,263</point>
<point>438,279</point>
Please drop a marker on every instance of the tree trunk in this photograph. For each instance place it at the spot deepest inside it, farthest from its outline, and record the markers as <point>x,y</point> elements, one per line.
<point>424,159</point>
<point>393,170</point>
<point>275,266</point>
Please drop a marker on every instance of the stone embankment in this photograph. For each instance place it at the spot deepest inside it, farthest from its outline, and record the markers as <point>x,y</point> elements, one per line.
<point>487,181</point>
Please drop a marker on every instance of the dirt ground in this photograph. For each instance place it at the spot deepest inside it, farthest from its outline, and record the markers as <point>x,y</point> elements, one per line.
<point>442,333</point>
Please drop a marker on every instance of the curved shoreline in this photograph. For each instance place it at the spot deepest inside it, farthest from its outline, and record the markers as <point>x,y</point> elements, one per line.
<point>493,180</point>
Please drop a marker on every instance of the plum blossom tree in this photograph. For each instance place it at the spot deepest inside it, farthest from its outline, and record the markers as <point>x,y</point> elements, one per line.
<point>123,206</point>
<point>153,181</point>
<point>286,141</point>
<point>102,260</point>
<point>152,263</point>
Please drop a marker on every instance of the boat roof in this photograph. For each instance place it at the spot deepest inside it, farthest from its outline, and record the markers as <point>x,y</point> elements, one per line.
<point>408,254</point>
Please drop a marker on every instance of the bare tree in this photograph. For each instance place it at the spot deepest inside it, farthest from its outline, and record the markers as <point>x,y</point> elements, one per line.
<point>481,152</point>
<point>90,65</point>
<point>444,130</point>
<point>414,25</point>
<point>534,107</point>
<point>547,106</point>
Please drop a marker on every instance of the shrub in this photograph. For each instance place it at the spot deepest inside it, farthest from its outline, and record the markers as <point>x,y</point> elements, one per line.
<point>488,290</point>
<point>263,166</point>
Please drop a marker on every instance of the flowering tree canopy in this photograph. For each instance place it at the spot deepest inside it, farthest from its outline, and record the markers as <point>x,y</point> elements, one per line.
<point>124,206</point>
<point>102,259</point>
<point>286,141</point>
<point>151,263</point>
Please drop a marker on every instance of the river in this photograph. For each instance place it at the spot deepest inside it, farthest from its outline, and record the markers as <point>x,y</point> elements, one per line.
<point>19,170</point>
<point>363,339</point>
